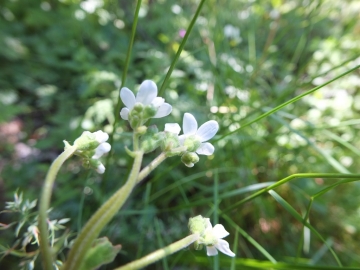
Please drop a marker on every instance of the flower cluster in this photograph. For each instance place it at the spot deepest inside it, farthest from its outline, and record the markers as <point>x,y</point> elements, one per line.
<point>210,236</point>
<point>147,105</point>
<point>91,146</point>
<point>144,106</point>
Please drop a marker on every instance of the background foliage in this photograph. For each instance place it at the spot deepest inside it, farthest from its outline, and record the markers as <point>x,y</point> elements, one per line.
<point>61,64</point>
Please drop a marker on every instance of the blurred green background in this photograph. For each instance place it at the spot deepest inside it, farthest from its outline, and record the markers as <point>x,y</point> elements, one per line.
<point>61,64</point>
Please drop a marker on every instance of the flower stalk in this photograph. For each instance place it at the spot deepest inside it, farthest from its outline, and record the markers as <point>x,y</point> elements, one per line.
<point>161,253</point>
<point>102,216</point>
<point>46,253</point>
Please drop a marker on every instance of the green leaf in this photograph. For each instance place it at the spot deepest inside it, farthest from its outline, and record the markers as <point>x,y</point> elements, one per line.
<point>101,253</point>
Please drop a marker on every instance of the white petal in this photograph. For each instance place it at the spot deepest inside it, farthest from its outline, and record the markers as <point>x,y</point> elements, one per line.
<point>219,231</point>
<point>206,149</point>
<point>163,111</point>
<point>182,139</point>
<point>124,113</point>
<point>101,149</point>
<point>211,251</point>
<point>173,128</point>
<point>127,97</point>
<point>223,246</point>
<point>208,223</point>
<point>147,92</point>
<point>207,130</point>
<point>189,124</point>
<point>100,169</point>
<point>158,101</point>
<point>101,136</point>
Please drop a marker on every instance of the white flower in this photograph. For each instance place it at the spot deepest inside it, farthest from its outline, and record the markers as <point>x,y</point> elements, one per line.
<point>197,137</point>
<point>101,136</point>
<point>100,168</point>
<point>213,240</point>
<point>101,149</point>
<point>147,95</point>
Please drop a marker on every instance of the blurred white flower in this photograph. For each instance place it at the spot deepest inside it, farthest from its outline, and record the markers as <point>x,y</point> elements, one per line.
<point>101,149</point>
<point>100,168</point>
<point>212,238</point>
<point>194,138</point>
<point>147,96</point>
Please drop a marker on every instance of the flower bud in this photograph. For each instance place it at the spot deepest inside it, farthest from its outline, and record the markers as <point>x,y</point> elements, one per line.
<point>87,141</point>
<point>192,143</point>
<point>149,111</point>
<point>189,159</point>
<point>150,140</point>
<point>198,224</point>
<point>138,108</point>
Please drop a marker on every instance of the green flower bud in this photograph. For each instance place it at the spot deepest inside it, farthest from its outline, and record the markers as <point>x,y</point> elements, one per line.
<point>150,140</point>
<point>87,141</point>
<point>138,108</point>
<point>149,111</point>
<point>135,121</point>
<point>198,224</point>
<point>189,159</point>
<point>192,143</point>
<point>141,130</point>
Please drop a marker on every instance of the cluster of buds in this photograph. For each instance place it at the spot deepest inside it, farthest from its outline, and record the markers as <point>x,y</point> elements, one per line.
<point>90,147</point>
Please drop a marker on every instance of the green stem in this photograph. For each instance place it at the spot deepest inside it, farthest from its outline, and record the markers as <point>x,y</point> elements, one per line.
<point>46,254</point>
<point>149,168</point>
<point>102,216</point>
<point>123,80</point>
<point>160,253</point>
<point>286,103</point>
<point>289,178</point>
<point>136,137</point>
<point>181,47</point>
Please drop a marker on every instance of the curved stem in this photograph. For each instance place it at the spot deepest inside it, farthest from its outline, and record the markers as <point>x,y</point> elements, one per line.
<point>46,254</point>
<point>102,216</point>
<point>289,178</point>
<point>149,168</point>
<point>160,253</point>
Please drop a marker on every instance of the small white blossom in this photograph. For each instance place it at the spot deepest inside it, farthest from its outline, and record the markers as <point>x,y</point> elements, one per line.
<point>101,168</point>
<point>212,238</point>
<point>198,137</point>
<point>101,136</point>
<point>101,149</point>
<point>147,95</point>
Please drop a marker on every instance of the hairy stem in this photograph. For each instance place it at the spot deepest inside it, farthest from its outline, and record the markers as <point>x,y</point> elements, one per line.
<point>102,216</point>
<point>160,253</point>
<point>46,254</point>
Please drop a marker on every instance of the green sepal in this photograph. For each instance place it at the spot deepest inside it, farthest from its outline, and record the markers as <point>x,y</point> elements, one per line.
<point>170,141</point>
<point>86,142</point>
<point>151,139</point>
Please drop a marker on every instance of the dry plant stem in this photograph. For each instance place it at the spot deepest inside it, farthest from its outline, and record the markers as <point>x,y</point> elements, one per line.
<point>102,216</point>
<point>46,253</point>
<point>161,253</point>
